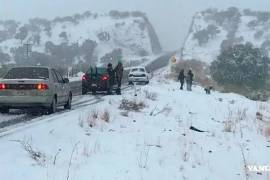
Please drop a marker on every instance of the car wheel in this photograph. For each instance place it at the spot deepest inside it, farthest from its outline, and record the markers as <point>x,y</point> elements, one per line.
<point>94,92</point>
<point>4,110</point>
<point>68,104</point>
<point>53,107</point>
<point>84,91</point>
<point>130,83</point>
<point>147,82</point>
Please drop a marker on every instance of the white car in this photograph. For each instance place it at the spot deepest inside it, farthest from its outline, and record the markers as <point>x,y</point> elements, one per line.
<point>138,74</point>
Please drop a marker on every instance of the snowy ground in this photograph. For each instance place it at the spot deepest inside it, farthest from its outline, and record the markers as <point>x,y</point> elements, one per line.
<point>154,143</point>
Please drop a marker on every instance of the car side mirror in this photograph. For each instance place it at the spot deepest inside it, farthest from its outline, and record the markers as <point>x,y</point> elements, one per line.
<point>66,80</point>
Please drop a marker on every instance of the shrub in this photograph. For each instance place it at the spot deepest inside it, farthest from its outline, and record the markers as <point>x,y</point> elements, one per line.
<point>92,119</point>
<point>241,65</point>
<point>105,116</point>
<point>118,14</point>
<point>205,34</point>
<point>131,105</point>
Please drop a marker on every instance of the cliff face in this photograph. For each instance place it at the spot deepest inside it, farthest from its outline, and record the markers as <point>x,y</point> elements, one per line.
<point>88,37</point>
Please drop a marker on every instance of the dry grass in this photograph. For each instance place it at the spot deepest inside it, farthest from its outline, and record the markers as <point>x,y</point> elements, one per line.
<point>241,114</point>
<point>228,126</point>
<point>267,131</point>
<point>150,95</point>
<point>92,119</point>
<point>105,116</point>
<point>131,105</point>
<point>81,121</point>
<point>234,120</point>
<point>35,154</point>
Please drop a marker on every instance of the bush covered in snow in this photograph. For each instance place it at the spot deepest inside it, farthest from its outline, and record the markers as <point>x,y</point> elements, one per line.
<point>205,34</point>
<point>131,105</point>
<point>242,65</point>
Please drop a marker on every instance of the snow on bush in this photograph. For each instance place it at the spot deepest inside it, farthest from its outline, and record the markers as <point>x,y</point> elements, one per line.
<point>105,116</point>
<point>94,118</point>
<point>131,105</point>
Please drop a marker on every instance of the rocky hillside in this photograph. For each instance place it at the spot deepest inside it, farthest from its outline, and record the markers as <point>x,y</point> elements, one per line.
<point>213,30</point>
<point>82,38</point>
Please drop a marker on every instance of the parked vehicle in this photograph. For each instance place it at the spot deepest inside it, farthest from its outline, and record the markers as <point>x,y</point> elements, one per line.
<point>138,74</point>
<point>34,87</point>
<point>95,80</point>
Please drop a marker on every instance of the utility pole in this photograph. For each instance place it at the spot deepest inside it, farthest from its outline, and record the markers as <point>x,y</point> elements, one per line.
<point>28,49</point>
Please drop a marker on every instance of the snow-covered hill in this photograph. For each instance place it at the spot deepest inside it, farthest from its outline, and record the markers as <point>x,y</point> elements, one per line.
<point>153,140</point>
<point>213,30</point>
<point>87,37</point>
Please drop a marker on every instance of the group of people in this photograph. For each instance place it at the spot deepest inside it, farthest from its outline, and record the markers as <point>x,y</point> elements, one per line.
<point>115,74</point>
<point>188,78</point>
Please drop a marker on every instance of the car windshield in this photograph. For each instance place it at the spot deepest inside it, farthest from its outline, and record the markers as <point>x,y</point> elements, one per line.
<point>27,73</point>
<point>138,69</point>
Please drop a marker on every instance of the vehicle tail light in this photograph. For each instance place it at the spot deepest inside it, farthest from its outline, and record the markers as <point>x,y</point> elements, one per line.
<point>104,78</point>
<point>42,86</point>
<point>2,86</point>
<point>84,78</point>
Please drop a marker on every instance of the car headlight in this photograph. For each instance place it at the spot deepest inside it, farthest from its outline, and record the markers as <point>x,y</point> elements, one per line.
<point>143,75</point>
<point>130,75</point>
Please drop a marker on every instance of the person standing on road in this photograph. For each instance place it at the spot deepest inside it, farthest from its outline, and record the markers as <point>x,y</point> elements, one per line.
<point>181,78</point>
<point>111,74</point>
<point>119,75</point>
<point>189,79</point>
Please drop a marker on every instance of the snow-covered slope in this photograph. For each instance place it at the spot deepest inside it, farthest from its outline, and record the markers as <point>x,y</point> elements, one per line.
<point>213,30</point>
<point>155,142</point>
<point>82,37</point>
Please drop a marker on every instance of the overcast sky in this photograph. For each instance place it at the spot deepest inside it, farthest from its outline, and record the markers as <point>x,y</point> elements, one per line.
<point>171,18</point>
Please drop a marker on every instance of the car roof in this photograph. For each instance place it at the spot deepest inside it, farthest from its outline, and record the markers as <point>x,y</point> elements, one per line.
<point>138,67</point>
<point>46,67</point>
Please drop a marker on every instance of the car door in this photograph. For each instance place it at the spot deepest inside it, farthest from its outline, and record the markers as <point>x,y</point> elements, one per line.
<point>54,82</point>
<point>63,88</point>
<point>58,86</point>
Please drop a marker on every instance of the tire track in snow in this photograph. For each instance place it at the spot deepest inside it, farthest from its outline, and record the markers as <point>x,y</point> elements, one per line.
<point>28,119</point>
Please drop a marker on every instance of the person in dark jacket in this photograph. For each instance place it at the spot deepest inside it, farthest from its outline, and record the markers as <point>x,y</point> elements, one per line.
<point>181,78</point>
<point>189,79</point>
<point>119,75</point>
<point>111,75</point>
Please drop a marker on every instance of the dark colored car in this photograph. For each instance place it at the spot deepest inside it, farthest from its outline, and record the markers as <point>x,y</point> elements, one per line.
<point>95,80</point>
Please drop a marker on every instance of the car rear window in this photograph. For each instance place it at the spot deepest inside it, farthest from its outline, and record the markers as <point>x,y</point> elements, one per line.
<point>137,69</point>
<point>27,73</point>
<point>97,71</point>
